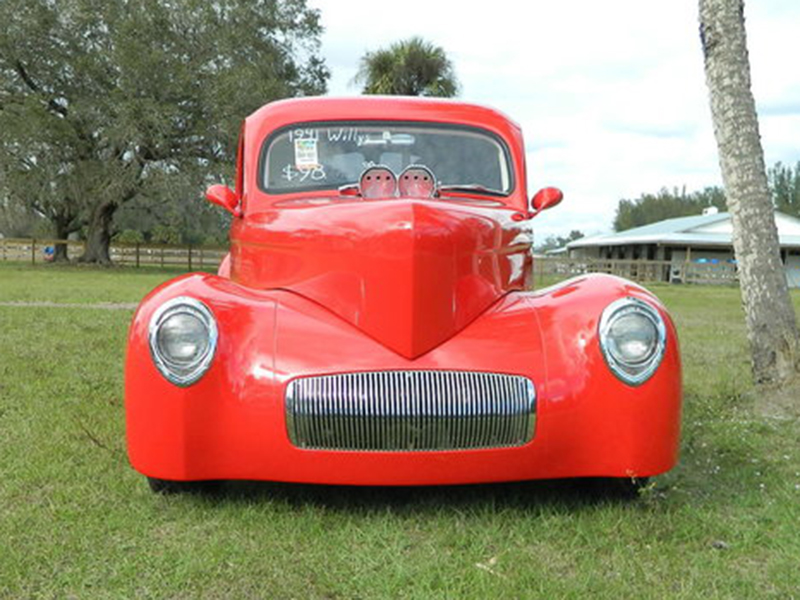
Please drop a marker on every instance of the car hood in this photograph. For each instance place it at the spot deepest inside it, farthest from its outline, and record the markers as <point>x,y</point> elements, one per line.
<point>409,273</point>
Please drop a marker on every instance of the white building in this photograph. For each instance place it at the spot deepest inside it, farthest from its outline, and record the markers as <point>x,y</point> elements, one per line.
<point>704,238</point>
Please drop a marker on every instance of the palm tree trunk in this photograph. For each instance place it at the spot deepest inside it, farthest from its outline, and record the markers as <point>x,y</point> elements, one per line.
<point>771,325</point>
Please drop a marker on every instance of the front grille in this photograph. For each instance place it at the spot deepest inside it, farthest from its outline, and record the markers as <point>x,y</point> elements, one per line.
<point>406,411</point>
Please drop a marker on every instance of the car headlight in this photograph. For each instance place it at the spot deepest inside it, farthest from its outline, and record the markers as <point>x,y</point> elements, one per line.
<point>633,338</point>
<point>183,339</point>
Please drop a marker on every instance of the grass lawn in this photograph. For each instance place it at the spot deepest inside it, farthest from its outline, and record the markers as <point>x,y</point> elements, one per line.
<point>77,521</point>
<point>72,284</point>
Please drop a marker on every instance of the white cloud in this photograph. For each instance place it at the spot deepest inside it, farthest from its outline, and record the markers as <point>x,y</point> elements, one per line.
<point>610,95</point>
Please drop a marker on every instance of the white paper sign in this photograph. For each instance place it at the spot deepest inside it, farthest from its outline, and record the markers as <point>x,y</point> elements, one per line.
<point>306,156</point>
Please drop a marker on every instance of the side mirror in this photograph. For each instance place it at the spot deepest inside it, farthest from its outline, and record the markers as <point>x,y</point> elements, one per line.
<point>225,197</point>
<point>546,198</point>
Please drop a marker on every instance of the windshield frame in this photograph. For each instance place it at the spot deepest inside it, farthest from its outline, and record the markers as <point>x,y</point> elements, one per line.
<point>262,156</point>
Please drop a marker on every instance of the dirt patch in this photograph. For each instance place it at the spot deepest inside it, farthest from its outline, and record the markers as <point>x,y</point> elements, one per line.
<point>780,403</point>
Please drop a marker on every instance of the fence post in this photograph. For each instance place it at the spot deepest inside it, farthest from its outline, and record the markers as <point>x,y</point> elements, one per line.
<point>137,255</point>
<point>541,273</point>
<point>162,257</point>
<point>190,257</point>
<point>33,251</point>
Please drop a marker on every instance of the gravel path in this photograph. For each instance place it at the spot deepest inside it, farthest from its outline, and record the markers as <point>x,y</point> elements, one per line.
<point>96,305</point>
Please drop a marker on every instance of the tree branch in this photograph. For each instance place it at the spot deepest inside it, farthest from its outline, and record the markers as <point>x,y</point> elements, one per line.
<point>54,106</point>
<point>34,87</point>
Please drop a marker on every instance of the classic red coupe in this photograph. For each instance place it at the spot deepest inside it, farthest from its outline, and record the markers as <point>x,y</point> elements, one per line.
<point>374,323</point>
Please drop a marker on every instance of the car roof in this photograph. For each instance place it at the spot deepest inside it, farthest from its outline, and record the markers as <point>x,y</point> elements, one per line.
<point>377,108</point>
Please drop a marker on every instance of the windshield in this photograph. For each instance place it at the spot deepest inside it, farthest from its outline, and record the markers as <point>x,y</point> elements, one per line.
<point>326,156</point>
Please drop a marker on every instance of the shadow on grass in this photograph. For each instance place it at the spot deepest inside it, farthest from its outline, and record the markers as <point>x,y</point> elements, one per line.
<point>567,494</point>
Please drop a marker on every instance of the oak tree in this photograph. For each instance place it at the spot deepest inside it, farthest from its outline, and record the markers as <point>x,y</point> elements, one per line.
<point>101,101</point>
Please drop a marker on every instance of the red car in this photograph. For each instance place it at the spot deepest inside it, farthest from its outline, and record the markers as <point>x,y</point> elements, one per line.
<point>373,323</point>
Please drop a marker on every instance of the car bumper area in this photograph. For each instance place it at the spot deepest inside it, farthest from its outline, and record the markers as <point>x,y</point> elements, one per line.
<point>232,423</point>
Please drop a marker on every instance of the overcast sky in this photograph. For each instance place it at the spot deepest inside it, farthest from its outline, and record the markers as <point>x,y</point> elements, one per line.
<point>610,95</point>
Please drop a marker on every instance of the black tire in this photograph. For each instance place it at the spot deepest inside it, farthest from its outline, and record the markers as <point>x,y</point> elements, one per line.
<point>168,486</point>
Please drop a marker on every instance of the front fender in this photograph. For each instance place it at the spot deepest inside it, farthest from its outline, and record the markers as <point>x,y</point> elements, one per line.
<point>169,427</point>
<point>612,420</point>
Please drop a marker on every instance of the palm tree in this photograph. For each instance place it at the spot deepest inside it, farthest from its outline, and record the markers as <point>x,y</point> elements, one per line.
<point>771,325</point>
<point>412,67</point>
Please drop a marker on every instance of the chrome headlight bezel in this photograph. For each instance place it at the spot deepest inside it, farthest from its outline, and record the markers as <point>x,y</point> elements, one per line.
<point>183,374</point>
<point>632,373</point>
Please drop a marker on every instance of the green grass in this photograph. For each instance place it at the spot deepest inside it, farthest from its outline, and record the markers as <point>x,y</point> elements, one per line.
<point>78,284</point>
<point>77,521</point>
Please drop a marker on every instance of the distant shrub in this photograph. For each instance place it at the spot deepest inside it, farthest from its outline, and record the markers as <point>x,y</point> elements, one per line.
<point>129,236</point>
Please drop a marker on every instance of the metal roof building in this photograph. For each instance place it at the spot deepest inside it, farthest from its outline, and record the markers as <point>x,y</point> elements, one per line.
<point>703,238</point>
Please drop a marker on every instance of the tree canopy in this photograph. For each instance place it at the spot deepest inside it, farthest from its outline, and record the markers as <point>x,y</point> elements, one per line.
<point>784,186</point>
<point>413,67</point>
<point>102,104</point>
<point>784,183</point>
<point>554,242</point>
<point>666,204</point>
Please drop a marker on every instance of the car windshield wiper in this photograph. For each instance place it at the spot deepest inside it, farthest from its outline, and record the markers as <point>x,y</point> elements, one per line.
<point>470,188</point>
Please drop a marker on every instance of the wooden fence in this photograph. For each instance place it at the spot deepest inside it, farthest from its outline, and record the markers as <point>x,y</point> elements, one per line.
<point>637,270</point>
<point>547,269</point>
<point>189,257</point>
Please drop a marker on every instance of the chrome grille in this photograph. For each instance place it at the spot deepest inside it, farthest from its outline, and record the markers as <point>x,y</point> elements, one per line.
<point>410,411</point>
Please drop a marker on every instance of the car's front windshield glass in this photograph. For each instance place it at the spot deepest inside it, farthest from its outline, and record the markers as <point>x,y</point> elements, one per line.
<point>327,156</point>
